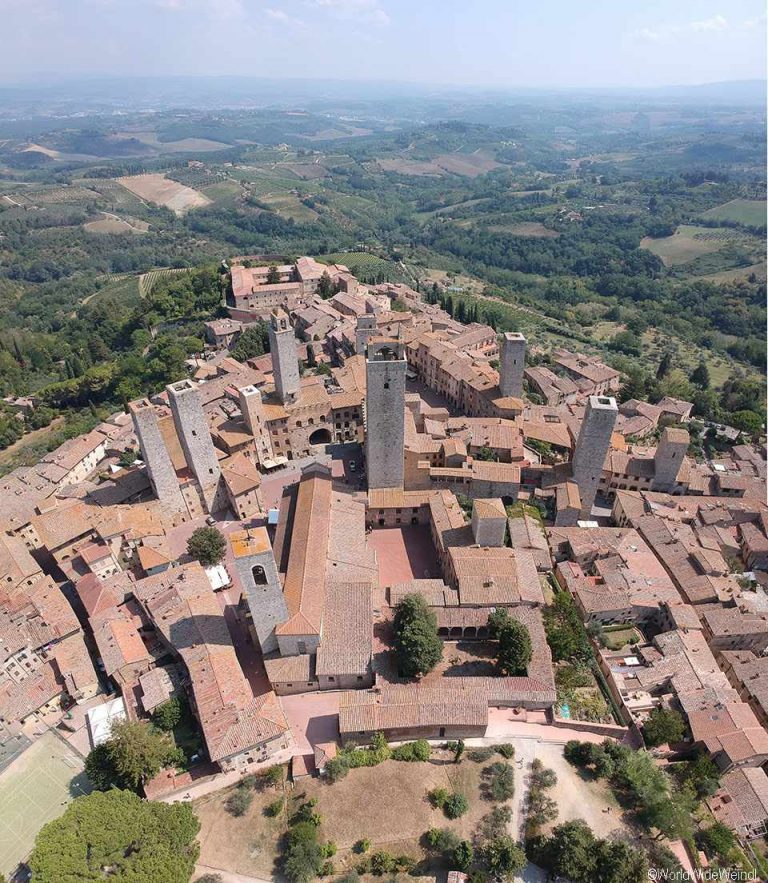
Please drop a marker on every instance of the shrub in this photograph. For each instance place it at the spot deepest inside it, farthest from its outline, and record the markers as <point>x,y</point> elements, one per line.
<point>329,849</point>
<point>438,796</point>
<point>455,806</point>
<point>327,869</point>
<point>362,846</point>
<point>506,750</point>
<point>500,781</point>
<point>274,775</point>
<point>306,814</point>
<point>463,855</point>
<point>480,755</point>
<point>337,768</point>
<point>412,751</point>
<point>459,751</point>
<point>496,822</point>
<point>405,864</point>
<point>238,802</point>
<point>382,863</point>
<point>378,752</point>
<point>275,808</point>
<point>442,839</point>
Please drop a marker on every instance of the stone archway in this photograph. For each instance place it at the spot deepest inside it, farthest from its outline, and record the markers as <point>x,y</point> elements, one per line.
<point>320,437</point>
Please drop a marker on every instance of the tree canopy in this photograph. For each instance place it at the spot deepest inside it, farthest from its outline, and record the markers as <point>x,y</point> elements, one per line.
<point>134,753</point>
<point>417,644</point>
<point>207,545</point>
<point>117,834</point>
<point>664,726</point>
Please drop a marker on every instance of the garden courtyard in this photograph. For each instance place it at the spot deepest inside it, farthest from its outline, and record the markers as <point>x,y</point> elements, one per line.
<point>387,806</point>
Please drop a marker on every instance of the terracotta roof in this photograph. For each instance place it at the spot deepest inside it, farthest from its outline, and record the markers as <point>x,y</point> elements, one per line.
<point>347,637</point>
<point>304,587</point>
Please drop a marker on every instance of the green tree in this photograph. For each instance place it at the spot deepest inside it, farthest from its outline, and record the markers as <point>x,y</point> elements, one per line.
<point>139,751</point>
<point>417,644</point>
<point>252,342</point>
<point>207,545</point>
<point>463,855</point>
<point>619,862</point>
<point>325,286</point>
<point>747,421</point>
<point>571,851</point>
<point>118,835</point>
<point>100,769</point>
<point>718,839</point>
<point>168,715</point>
<point>664,726</point>
<point>504,857</point>
<point>273,276</point>
<point>514,650</point>
<point>700,375</point>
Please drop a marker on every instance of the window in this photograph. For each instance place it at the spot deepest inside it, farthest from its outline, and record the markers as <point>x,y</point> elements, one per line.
<point>386,385</point>
<point>331,679</point>
<point>194,432</point>
<point>259,575</point>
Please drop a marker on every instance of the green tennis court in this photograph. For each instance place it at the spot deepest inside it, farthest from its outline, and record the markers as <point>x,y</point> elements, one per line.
<point>34,789</point>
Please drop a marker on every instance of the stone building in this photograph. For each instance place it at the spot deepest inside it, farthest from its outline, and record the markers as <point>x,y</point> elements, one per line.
<point>256,567</point>
<point>285,361</point>
<point>512,364</point>
<point>160,468</point>
<point>195,437</point>
<point>592,446</point>
<point>385,413</point>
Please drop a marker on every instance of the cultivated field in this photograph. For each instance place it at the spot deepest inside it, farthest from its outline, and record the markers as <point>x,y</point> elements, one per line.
<point>468,165</point>
<point>741,211</point>
<point>527,228</point>
<point>35,789</point>
<point>113,224</point>
<point>162,191</point>
<point>686,244</point>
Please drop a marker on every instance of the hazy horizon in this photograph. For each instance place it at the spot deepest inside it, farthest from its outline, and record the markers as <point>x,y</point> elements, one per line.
<point>493,44</point>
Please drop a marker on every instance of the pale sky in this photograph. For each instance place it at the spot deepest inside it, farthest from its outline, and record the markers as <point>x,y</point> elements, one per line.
<point>497,43</point>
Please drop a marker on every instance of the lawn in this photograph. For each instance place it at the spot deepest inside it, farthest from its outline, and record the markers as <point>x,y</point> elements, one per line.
<point>35,789</point>
<point>618,638</point>
<point>399,813</point>
<point>246,845</point>
<point>750,212</point>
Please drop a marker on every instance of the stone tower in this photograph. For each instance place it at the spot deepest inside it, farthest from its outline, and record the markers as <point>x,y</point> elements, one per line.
<point>489,522</point>
<point>385,413</point>
<point>160,469</point>
<point>592,448</point>
<point>285,362</point>
<point>366,328</point>
<point>512,364</point>
<point>195,437</point>
<point>256,567</point>
<point>253,414</point>
<point>669,456</point>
